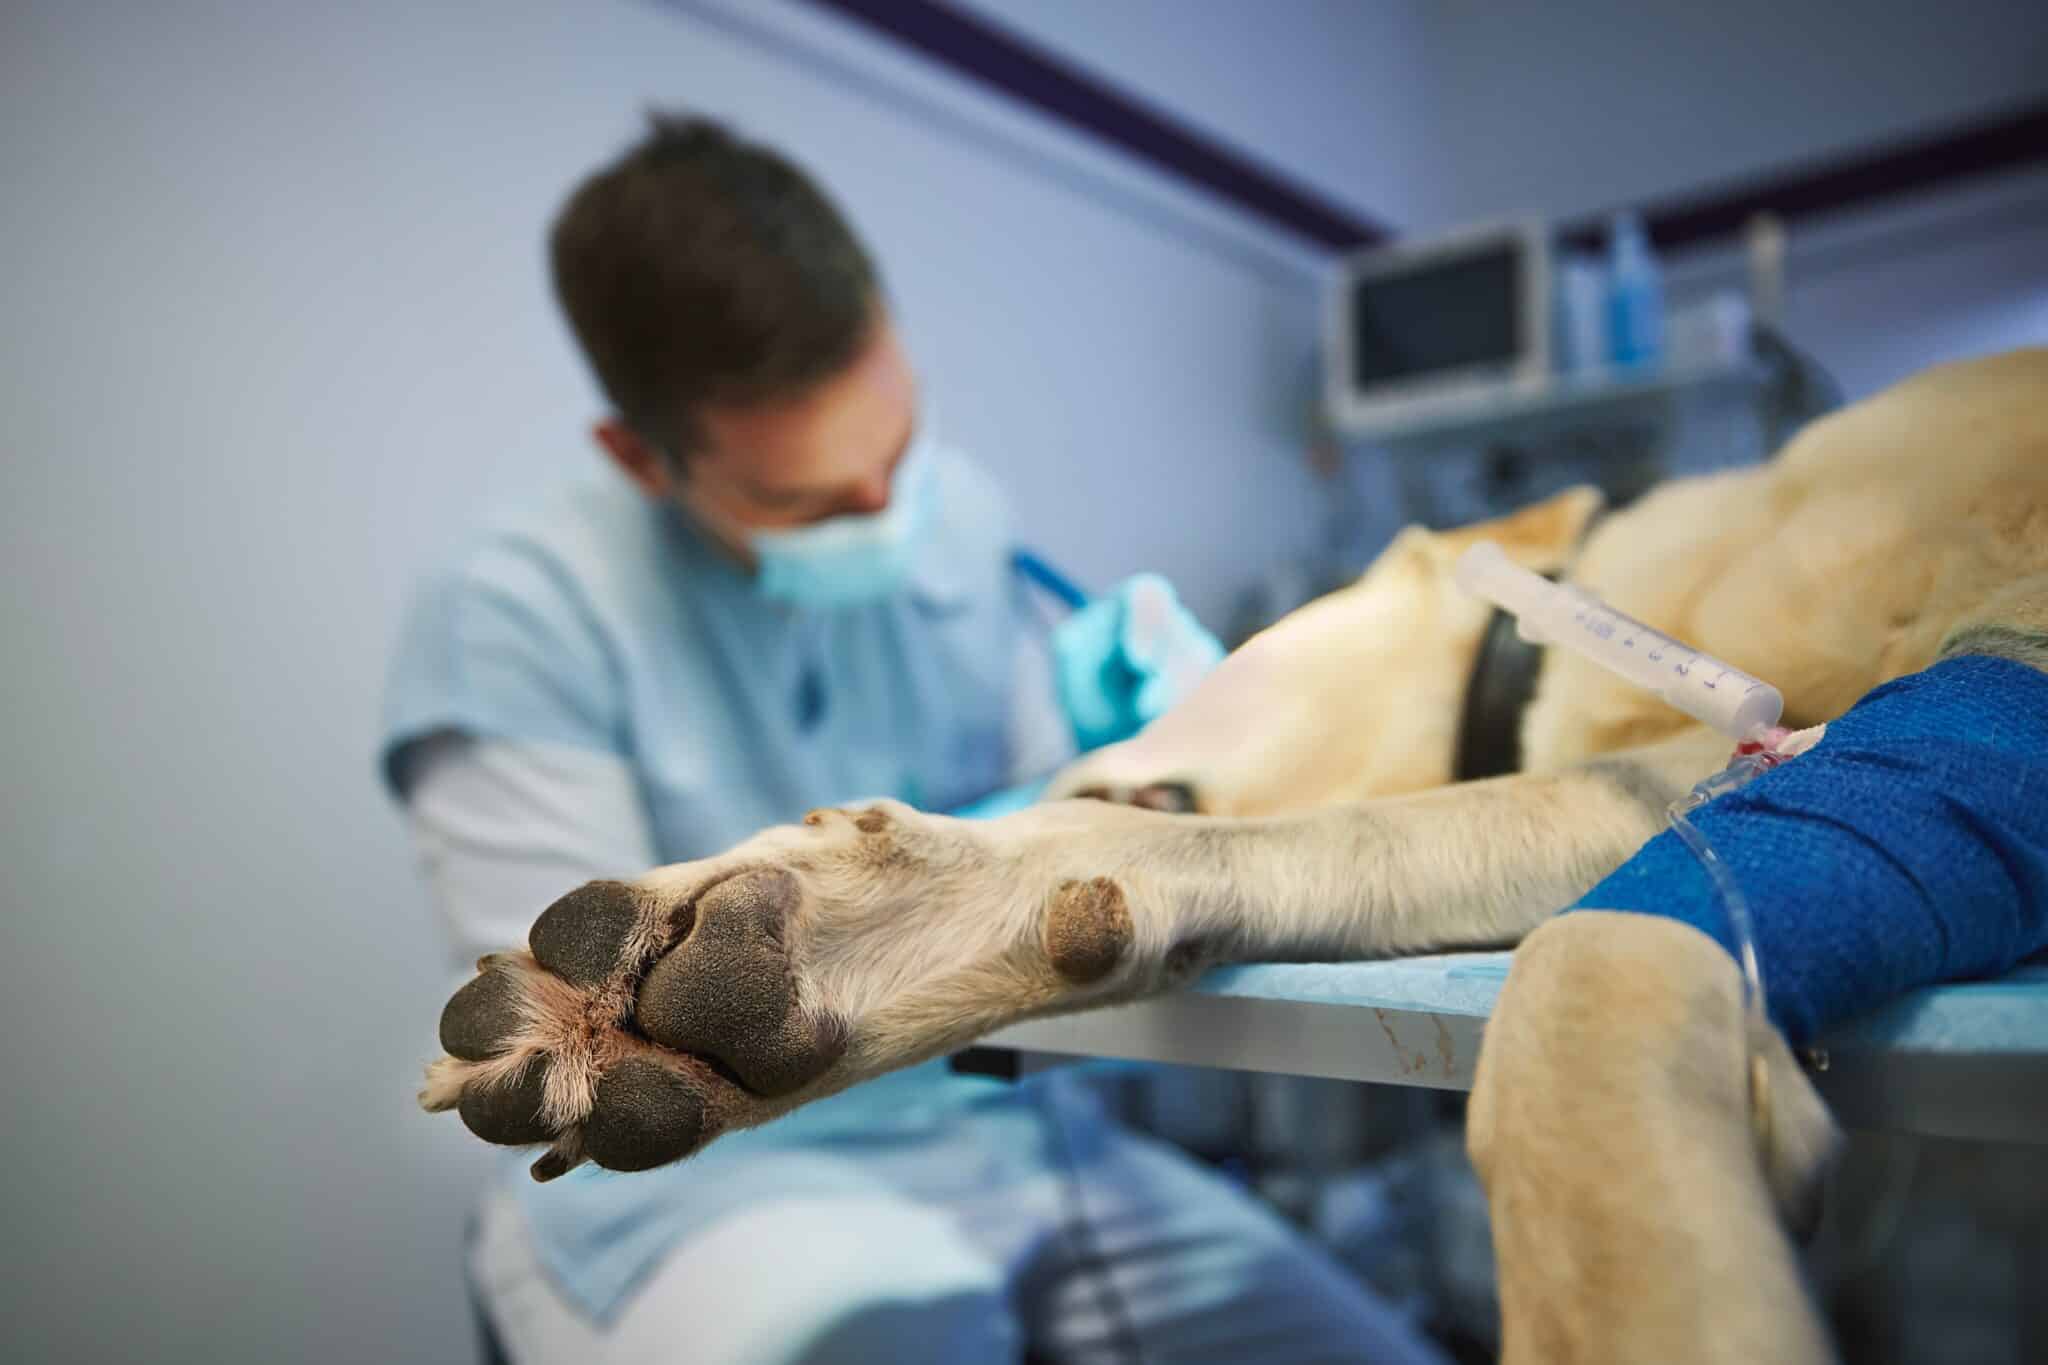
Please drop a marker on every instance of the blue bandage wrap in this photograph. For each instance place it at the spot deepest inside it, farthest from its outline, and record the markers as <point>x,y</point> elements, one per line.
<point>1909,847</point>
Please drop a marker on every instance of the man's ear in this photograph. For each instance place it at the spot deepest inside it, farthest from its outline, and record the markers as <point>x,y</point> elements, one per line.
<point>637,457</point>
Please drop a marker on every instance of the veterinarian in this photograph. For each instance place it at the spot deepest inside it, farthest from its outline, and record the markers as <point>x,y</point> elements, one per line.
<point>787,592</point>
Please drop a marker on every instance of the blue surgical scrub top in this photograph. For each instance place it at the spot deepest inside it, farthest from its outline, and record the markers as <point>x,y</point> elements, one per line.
<point>601,619</point>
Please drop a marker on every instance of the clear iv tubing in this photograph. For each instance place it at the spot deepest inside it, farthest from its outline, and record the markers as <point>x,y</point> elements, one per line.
<point>1735,909</point>
<point>1740,706</point>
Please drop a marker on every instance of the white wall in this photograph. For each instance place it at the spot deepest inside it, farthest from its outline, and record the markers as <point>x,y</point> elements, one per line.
<point>1883,292</point>
<point>1430,113</point>
<point>1332,93</point>
<point>1573,109</point>
<point>1567,109</point>
<point>275,323</point>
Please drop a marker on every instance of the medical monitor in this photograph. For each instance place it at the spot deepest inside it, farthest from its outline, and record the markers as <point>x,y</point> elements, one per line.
<point>1423,326</point>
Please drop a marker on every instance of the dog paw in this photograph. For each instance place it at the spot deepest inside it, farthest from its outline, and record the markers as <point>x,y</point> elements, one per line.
<point>636,1025</point>
<point>645,1018</point>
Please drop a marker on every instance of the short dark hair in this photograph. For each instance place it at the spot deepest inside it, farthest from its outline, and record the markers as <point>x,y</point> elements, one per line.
<point>698,268</point>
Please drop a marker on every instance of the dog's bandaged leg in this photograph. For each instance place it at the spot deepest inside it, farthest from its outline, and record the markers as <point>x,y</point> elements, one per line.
<point>1634,1217</point>
<point>1909,847</point>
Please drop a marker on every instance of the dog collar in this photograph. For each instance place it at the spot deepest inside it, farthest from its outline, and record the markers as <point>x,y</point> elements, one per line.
<point>1498,692</point>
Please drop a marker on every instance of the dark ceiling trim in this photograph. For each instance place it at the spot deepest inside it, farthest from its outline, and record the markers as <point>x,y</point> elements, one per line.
<point>2011,142</point>
<point>993,56</point>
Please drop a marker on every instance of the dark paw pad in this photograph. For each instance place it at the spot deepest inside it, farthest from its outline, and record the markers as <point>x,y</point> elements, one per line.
<point>551,1166</point>
<point>726,991</point>
<point>508,1114</point>
<point>582,936</point>
<point>1174,798</point>
<point>1088,929</point>
<point>480,1019</point>
<point>1189,956</point>
<point>645,1116</point>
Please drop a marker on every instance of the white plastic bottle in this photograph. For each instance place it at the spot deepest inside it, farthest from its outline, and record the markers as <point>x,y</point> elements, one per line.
<point>1635,298</point>
<point>1581,342</point>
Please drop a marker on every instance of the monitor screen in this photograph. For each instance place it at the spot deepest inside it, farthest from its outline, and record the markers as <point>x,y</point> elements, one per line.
<point>1445,316</point>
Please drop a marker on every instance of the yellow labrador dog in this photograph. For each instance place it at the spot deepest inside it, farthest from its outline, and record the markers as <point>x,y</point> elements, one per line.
<point>1637,1214</point>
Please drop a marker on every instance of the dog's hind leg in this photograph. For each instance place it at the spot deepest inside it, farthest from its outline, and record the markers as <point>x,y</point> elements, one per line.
<point>1634,1216</point>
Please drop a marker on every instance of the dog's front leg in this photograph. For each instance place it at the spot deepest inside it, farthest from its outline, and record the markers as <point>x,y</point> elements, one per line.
<point>1635,1216</point>
<point>1467,866</point>
<point>650,1016</point>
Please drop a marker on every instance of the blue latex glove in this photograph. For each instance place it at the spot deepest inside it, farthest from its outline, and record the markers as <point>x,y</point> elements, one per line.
<point>1003,802</point>
<point>1127,658</point>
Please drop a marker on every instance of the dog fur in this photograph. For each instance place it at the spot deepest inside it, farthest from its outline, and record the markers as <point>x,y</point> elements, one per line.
<point>1637,1216</point>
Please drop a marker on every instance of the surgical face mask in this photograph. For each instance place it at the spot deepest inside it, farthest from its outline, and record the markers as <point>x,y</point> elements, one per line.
<point>852,559</point>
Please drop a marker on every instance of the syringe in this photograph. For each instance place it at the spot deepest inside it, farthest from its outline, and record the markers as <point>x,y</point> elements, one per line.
<point>1739,706</point>
<point>1548,613</point>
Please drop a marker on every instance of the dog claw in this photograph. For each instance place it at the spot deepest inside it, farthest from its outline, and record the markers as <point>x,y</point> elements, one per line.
<point>553,1165</point>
